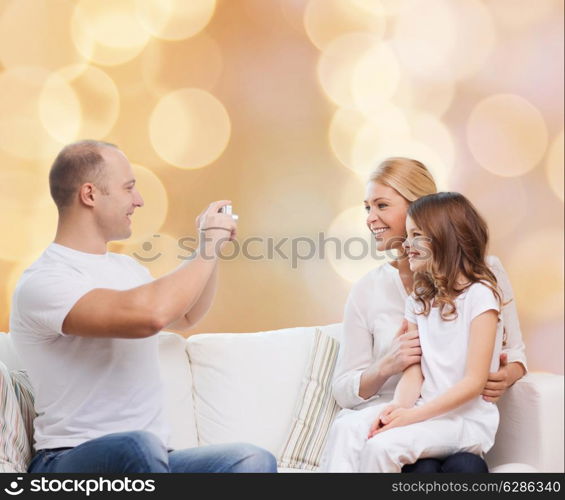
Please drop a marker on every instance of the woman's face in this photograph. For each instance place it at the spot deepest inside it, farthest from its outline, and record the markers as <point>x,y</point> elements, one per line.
<point>418,247</point>
<point>386,215</point>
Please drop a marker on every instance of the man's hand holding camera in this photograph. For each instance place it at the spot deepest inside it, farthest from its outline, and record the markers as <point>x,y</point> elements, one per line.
<point>216,226</point>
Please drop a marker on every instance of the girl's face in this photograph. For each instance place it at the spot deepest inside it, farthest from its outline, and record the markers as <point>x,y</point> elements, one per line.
<point>418,247</point>
<point>386,215</point>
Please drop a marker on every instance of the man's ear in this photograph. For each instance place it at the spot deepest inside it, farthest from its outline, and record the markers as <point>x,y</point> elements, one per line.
<point>87,194</point>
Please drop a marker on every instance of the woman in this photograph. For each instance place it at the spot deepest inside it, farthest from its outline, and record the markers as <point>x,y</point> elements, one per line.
<point>376,347</point>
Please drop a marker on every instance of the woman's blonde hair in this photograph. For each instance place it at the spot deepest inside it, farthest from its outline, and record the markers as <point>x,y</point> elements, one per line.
<point>410,178</point>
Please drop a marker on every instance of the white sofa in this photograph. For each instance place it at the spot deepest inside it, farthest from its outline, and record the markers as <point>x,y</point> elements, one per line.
<point>228,387</point>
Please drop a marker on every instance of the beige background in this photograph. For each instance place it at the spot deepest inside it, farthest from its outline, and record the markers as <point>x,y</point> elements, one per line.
<point>283,106</point>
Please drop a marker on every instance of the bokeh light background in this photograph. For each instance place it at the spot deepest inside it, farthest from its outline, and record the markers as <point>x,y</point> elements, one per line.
<point>284,106</point>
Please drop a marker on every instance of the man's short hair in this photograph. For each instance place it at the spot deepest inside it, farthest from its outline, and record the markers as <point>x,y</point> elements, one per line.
<point>76,164</point>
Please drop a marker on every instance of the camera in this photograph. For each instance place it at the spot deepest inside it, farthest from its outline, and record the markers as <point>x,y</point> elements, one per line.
<point>229,211</point>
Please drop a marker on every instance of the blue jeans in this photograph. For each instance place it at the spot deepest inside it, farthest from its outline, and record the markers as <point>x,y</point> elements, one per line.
<point>460,462</point>
<point>141,451</point>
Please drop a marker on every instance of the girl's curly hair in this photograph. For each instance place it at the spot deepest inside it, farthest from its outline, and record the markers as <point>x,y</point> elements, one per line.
<point>459,238</point>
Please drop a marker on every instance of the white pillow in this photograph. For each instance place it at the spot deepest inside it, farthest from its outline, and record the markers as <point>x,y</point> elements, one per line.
<point>246,384</point>
<point>177,381</point>
<point>8,354</point>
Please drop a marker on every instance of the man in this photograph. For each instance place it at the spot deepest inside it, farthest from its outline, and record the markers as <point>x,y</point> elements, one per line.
<point>84,322</point>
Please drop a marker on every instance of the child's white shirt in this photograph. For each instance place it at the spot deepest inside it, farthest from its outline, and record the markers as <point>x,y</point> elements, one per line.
<point>444,351</point>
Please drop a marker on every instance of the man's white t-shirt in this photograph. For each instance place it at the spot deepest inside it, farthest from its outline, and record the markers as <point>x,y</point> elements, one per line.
<point>85,387</point>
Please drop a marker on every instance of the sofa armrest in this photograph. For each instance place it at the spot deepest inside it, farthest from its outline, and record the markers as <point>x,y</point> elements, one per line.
<point>531,424</point>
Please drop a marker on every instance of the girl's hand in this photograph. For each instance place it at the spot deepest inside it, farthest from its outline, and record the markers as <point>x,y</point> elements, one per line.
<point>378,423</point>
<point>398,417</point>
<point>405,350</point>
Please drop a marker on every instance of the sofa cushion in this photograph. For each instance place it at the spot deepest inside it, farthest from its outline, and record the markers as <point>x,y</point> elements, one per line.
<point>315,410</point>
<point>245,385</point>
<point>177,381</point>
<point>15,448</point>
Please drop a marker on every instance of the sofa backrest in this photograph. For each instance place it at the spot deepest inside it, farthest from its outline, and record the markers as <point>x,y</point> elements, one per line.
<point>8,354</point>
<point>247,385</point>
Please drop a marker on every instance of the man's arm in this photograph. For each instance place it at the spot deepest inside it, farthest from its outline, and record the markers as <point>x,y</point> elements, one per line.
<point>147,309</point>
<point>200,308</point>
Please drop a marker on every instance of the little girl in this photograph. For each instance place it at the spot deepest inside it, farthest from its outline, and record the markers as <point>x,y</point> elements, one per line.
<point>437,408</point>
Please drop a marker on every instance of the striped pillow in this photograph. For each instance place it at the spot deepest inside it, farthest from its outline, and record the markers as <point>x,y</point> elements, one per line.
<point>316,408</point>
<point>24,394</point>
<point>15,449</point>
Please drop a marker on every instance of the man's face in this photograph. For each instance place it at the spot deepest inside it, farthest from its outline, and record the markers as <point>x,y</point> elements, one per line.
<point>115,207</point>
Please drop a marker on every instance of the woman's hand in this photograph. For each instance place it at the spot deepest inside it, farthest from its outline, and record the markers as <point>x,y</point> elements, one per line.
<point>393,416</point>
<point>501,380</point>
<point>404,352</point>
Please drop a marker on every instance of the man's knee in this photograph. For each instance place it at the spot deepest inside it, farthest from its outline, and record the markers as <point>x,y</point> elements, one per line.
<point>140,451</point>
<point>141,440</point>
<point>251,458</point>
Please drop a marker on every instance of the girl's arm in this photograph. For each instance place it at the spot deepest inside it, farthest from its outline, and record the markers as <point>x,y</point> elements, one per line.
<point>479,354</point>
<point>406,393</point>
<point>409,387</point>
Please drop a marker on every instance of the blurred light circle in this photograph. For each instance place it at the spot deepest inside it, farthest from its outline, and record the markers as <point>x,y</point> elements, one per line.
<point>98,96</point>
<point>519,14</point>
<point>475,37</point>
<point>453,42</point>
<point>375,78</point>
<point>108,33</point>
<point>158,252</point>
<point>355,259</point>
<point>189,128</point>
<point>536,270</point>
<point>424,47</point>
<point>387,126</point>
<point>35,33</point>
<point>425,93</point>
<point>195,62</point>
<point>293,12</point>
<point>22,132</point>
<point>175,19</point>
<point>30,217</point>
<point>503,205</point>
<point>337,65</point>
<point>554,166</point>
<point>430,130</point>
<point>344,127</point>
<point>393,8</point>
<point>59,109</point>
<point>147,220</point>
<point>327,20</point>
<point>507,135</point>
<point>366,159</point>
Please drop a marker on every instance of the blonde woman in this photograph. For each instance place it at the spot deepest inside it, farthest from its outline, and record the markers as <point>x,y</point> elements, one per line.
<point>376,346</point>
